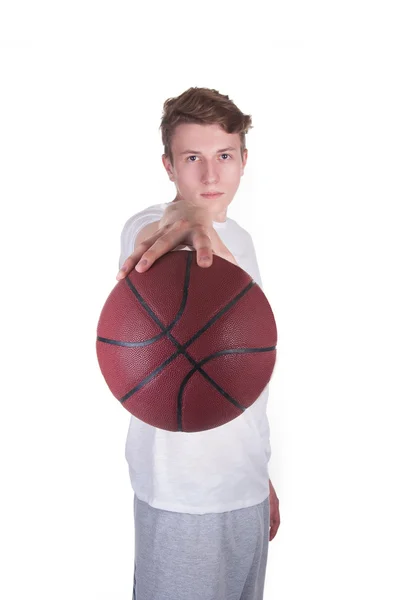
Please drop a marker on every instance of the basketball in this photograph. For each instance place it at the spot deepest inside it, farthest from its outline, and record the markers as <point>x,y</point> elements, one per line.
<point>186,348</point>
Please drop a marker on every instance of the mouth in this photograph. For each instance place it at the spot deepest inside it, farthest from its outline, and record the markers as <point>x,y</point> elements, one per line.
<point>212,194</point>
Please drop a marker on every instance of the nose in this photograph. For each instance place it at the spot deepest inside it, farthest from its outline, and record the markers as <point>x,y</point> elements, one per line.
<point>210,174</point>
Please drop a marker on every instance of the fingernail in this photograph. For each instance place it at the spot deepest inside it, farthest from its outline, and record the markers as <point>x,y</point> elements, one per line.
<point>142,263</point>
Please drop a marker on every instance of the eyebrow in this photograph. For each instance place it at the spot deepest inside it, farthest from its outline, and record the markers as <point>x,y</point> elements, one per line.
<point>230,148</point>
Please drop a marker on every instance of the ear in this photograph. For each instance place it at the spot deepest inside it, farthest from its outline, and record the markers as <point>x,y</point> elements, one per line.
<point>244,160</point>
<point>168,166</point>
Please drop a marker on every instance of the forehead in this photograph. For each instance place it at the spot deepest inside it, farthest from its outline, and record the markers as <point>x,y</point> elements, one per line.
<point>206,138</point>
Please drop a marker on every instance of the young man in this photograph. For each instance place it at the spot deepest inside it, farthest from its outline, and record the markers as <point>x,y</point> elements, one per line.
<point>204,506</point>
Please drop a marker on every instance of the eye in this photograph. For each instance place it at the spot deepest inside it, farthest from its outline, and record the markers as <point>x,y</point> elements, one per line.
<point>195,156</point>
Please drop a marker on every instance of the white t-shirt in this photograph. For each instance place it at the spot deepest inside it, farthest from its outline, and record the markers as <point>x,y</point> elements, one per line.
<point>213,471</point>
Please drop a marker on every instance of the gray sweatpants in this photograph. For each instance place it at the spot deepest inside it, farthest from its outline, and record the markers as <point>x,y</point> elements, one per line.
<point>216,556</point>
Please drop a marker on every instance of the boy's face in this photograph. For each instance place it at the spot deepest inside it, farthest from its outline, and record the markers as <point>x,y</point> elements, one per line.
<point>205,168</point>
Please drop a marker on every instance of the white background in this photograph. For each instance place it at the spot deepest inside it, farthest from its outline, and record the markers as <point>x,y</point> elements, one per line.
<point>82,89</point>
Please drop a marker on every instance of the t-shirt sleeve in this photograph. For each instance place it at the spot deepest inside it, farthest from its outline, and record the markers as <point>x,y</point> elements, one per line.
<point>134,225</point>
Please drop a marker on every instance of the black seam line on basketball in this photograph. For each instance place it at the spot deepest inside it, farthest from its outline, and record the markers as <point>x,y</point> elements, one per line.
<point>196,366</point>
<point>149,377</point>
<point>178,316</point>
<point>166,329</point>
<point>152,314</point>
<point>219,388</point>
<point>130,344</point>
<point>181,348</point>
<point>219,314</point>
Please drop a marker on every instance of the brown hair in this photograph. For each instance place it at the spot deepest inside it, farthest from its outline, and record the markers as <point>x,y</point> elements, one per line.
<point>204,106</point>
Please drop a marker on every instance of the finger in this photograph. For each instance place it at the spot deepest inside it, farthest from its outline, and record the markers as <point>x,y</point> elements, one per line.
<point>273,530</point>
<point>133,259</point>
<point>220,248</point>
<point>272,533</point>
<point>167,241</point>
<point>203,246</point>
